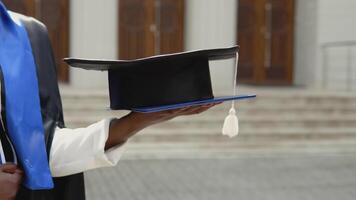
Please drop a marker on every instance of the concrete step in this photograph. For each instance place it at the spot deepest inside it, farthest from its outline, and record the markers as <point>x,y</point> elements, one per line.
<point>244,104</point>
<point>83,109</point>
<point>260,91</point>
<point>212,116</point>
<point>275,92</point>
<point>266,121</point>
<point>282,117</point>
<point>227,149</point>
<point>214,135</point>
<point>246,121</point>
<point>255,131</point>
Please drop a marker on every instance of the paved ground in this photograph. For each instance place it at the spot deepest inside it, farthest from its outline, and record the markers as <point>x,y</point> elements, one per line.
<point>316,176</point>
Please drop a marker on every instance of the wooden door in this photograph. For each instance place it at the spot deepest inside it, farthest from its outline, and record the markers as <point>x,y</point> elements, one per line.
<point>150,27</point>
<point>265,34</point>
<point>21,6</point>
<point>55,14</point>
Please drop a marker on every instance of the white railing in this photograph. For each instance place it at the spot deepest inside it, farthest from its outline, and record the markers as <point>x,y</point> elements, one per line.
<point>348,45</point>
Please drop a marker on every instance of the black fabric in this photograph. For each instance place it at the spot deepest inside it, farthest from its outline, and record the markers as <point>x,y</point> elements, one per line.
<point>146,85</point>
<point>158,80</point>
<point>210,54</point>
<point>66,188</point>
<point>5,141</point>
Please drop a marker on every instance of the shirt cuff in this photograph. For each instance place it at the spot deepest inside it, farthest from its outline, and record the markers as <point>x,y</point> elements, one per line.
<point>78,150</point>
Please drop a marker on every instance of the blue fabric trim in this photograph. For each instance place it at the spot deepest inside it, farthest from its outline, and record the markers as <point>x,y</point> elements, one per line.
<point>193,103</point>
<point>23,111</point>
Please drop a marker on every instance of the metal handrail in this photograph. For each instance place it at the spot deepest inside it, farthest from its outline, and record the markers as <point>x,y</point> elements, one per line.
<point>339,44</point>
<point>346,44</point>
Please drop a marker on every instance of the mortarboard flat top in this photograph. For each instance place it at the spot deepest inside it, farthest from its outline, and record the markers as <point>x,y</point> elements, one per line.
<point>161,82</point>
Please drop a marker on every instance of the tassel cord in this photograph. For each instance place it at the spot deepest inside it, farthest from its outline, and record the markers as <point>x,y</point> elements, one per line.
<point>235,78</point>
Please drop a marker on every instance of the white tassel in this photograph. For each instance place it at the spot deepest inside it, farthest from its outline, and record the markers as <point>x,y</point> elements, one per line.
<point>231,124</point>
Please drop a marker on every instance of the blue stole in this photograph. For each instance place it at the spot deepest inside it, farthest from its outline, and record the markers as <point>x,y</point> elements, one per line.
<point>23,110</point>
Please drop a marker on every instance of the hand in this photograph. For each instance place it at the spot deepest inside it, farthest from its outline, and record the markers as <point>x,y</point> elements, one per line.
<point>124,128</point>
<point>10,180</point>
<point>148,119</point>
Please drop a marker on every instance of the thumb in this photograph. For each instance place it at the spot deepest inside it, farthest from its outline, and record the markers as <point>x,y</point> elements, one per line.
<point>9,168</point>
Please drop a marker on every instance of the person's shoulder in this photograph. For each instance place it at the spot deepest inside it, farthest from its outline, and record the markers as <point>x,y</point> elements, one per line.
<point>29,22</point>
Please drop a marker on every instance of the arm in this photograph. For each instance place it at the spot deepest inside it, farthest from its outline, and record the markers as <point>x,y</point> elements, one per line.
<point>122,129</point>
<point>101,144</point>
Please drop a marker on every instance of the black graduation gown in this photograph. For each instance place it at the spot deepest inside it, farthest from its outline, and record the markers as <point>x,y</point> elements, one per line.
<point>66,188</point>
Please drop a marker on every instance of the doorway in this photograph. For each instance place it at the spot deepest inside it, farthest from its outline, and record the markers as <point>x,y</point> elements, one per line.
<point>265,35</point>
<point>150,27</point>
<point>55,15</point>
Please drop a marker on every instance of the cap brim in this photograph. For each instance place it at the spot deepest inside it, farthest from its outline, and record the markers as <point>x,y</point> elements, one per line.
<point>193,103</point>
<point>100,64</point>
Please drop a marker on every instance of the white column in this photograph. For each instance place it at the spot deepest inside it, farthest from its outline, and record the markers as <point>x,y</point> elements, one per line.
<point>319,22</point>
<point>93,34</point>
<point>305,42</point>
<point>212,24</point>
<point>336,22</point>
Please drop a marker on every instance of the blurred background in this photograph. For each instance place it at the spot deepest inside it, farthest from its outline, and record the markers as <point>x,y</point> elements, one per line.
<point>297,138</point>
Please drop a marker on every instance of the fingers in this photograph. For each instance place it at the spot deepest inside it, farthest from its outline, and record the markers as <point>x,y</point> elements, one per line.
<point>11,183</point>
<point>19,171</point>
<point>10,168</point>
<point>10,180</point>
<point>175,111</point>
<point>14,178</point>
<point>158,117</point>
<point>197,109</point>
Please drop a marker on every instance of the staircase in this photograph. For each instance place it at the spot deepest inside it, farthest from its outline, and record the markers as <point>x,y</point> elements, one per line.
<point>278,120</point>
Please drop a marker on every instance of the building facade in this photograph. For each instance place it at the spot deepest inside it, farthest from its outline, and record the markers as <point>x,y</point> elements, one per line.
<point>306,43</point>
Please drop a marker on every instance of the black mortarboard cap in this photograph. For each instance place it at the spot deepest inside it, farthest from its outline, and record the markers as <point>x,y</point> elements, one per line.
<point>161,82</point>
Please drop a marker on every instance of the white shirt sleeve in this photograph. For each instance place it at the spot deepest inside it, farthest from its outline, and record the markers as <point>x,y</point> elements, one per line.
<point>82,149</point>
